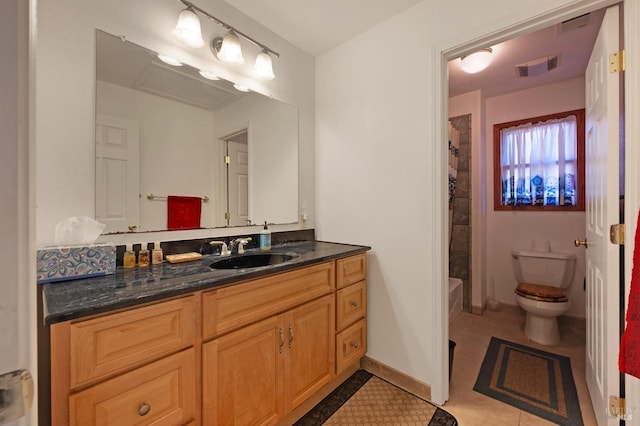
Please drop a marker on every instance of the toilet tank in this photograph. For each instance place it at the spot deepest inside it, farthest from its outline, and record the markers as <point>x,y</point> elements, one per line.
<point>548,268</point>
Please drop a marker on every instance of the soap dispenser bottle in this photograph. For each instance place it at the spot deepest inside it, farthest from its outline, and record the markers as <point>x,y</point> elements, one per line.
<point>129,257</point>
<point>143,256</point>
<point>265,238</point>
<point>156,254</point>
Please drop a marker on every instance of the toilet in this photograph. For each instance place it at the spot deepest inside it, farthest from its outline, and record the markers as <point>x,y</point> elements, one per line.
<point>543,277</point>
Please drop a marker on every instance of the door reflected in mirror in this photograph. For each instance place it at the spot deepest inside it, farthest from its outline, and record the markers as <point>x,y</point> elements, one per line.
<point>168,131</point>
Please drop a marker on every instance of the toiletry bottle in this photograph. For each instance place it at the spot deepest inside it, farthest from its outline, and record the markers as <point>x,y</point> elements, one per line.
<point>156,254</point>
<point>129,257</point>
<point>265,238</point>
<point>143,256</point>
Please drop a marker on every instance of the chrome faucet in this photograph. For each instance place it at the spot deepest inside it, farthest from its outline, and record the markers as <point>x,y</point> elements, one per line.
<point>240,242</point>
<point>224,251</point>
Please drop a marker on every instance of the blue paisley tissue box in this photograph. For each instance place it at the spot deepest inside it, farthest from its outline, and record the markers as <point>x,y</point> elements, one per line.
<point>75,262</point>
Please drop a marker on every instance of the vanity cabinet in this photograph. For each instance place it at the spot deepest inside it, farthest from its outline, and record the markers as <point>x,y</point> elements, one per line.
<point>259,373</point>
<point>247,353</point>
<point>351,309</point>
<point>136,365</point>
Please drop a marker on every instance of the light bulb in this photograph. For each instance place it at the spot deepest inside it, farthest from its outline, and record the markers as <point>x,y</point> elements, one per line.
<point>188,29</point>
<point>230,50</point>
<point>169,60</point>
<point>209,75</point>
<point>263,67</point>
<point>240,87</point>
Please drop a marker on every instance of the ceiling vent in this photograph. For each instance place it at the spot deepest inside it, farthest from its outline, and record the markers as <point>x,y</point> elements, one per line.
<point>537,67</point>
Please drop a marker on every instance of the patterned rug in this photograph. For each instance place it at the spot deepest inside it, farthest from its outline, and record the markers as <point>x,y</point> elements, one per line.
<point>532,380</point>
<point>364,399</point>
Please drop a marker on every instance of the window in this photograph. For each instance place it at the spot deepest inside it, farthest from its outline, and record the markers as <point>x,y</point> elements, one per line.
<point>538,163</point>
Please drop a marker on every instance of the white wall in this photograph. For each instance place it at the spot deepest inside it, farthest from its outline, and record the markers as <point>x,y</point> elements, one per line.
<point>18,346</point>
<point>512,229</point>
<point>66,94</point>
<point>472,103</point>
<point>381,166</point>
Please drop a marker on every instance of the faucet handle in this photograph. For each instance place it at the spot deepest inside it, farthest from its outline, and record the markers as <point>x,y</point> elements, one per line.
<point>241,244</point>
<point>224,251</point>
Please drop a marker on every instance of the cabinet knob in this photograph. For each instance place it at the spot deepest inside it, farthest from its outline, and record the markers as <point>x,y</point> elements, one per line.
<point>354,303</point>
<point>355,345</point>
<point>144,409</point>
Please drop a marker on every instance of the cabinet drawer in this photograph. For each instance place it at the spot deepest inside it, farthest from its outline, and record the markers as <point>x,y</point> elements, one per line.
<point>351,345</point>
<point>351,270</point>
<point>161,393</point>
<point>232,307</point>
<point>351,304</point>
<point>107,345</point>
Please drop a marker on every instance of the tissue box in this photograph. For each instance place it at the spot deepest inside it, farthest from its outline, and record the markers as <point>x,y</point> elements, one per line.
<point>74,262</point>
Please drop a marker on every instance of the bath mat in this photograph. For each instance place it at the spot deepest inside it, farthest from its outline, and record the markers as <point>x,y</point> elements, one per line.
<point>364,399</point>
<point>532,380</point>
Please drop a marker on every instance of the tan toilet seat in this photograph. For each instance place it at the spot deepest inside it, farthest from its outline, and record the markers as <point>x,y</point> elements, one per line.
<point>543,293</point>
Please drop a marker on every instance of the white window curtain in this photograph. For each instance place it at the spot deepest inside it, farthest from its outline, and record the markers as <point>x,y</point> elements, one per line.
<point>539,163</point>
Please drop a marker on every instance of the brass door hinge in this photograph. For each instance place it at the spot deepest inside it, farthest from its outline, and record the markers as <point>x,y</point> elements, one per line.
<point>616,61</point>
<point>227,215</point>
<point>617,407</point>
<point>616,234</point>
<point>227,159</point>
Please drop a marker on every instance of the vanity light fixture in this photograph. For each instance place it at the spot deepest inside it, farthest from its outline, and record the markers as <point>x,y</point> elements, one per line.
<point>188,28</point>
<point>263,67</point>
<point>476,61</point>
<point>226,49</point>
<point>241,88</point>
<point>169,60</point>
<point>209,75</point>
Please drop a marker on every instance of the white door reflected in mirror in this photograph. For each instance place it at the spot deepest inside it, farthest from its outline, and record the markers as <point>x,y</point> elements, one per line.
<point>182,121</point>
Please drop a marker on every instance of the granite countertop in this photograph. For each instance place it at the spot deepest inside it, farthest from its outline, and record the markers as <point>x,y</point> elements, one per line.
<point>129,287</point>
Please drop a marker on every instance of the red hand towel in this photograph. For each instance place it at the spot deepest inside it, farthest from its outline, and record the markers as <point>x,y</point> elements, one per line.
<point>629,357</point>
<point>183,212</point>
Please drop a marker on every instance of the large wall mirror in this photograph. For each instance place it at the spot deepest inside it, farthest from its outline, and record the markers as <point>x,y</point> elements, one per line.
<point>166,131</point>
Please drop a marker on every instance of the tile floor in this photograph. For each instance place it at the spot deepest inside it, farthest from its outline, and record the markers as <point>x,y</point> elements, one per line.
<point>472,334</point>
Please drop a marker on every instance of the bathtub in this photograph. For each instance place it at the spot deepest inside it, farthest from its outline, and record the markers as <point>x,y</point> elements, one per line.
<point>455,298</point>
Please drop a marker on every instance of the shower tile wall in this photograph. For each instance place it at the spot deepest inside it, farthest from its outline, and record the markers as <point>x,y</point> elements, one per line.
<point>460,249</point>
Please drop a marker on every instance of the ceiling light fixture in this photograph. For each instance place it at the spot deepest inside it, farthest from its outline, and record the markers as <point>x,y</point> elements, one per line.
<point>226,49</point>
<point>476,61</point>
<point>209,75</point>
<point>241,88</point>
<point>169,60</point>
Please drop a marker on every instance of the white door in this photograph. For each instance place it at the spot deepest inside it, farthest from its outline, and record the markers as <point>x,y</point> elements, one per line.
<point>238,183</point>
<point>117,175</point>
<point>602,210</point>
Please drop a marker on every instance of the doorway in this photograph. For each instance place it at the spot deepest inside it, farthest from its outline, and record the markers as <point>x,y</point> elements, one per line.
<point>486,280</point>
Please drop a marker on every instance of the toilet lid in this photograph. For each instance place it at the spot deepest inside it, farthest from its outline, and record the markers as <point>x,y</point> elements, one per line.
<point>541,292</point>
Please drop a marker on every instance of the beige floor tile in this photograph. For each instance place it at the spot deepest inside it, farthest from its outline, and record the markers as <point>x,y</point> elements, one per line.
<point>472,334</point>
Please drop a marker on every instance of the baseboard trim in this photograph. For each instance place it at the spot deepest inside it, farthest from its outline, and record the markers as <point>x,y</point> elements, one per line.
<point>397,378</point>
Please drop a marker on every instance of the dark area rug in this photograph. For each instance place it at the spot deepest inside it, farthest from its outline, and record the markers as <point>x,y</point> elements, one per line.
<point>532,380</point>
<point>365,399</point>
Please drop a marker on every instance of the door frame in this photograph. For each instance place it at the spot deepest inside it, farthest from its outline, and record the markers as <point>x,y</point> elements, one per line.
<point>441,55</point>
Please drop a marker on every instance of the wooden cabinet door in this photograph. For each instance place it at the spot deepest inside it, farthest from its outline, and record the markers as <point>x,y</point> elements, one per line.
<point>243,375</point>
<point>310,349</point>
